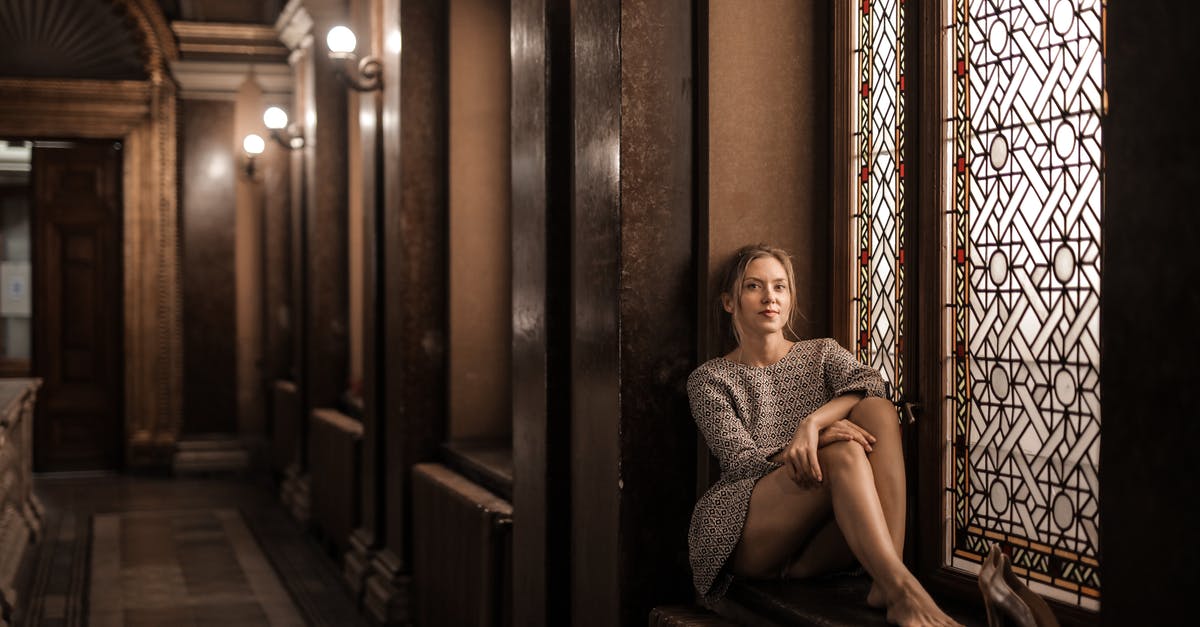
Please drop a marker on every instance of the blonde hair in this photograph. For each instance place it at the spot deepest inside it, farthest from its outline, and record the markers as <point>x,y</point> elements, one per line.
<point>735,274</point>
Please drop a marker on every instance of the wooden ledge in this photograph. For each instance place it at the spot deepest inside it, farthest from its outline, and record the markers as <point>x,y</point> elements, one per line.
<point>836,601</point>
<point>486,462</point>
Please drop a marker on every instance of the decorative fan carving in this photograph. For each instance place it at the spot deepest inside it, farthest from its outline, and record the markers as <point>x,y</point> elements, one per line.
<point>94,39</point>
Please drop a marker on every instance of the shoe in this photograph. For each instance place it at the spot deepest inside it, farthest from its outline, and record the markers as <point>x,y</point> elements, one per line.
<point>1003,605</point>
<point>1042,616</point>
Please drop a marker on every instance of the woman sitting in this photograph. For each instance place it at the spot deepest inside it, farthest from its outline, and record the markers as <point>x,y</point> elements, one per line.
<point>812,474</point>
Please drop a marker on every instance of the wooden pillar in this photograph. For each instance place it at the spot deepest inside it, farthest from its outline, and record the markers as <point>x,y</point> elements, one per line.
<point>541,172</point>
<point>319,248</point>
<point>364,541</point>
<point>412,278</point>
<point>595,352</point>
<point>656,434</point>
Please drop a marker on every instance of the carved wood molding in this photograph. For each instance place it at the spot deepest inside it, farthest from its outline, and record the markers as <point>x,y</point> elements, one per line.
<point>143,116</point>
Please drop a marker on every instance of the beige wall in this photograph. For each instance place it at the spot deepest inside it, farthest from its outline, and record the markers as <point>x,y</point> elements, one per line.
<point>248,110</point>
<point>768,141</point>
<point>479,387</point>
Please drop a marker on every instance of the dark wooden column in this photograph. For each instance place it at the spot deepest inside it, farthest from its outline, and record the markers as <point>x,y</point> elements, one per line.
<point>412,277</point>
<point>633,291</point>
<point>1149,510</point>
<point>658,324</point>
<point>364,541</point>
<point>541,174</point>
<point>326,282</point>
<point>319,249</point>
<point>595,284</point>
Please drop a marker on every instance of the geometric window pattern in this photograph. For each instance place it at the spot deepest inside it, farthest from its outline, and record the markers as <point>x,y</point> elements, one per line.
<point>1026,176</point>
<point>878,219</point>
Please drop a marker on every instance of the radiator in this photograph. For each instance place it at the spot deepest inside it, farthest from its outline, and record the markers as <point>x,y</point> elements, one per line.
<point>462,551</point>
<point>334,448</point>
<point>285,432</point>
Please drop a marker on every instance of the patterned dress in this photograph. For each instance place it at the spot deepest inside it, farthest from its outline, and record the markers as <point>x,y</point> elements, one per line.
<point>747,414</point>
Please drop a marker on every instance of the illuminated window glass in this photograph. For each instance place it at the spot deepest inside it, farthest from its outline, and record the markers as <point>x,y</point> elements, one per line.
<point>878,224</point>
<point>1023,277</point>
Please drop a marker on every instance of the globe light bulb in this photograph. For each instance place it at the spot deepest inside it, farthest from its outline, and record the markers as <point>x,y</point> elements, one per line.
<point>341,40</point>
<point>253,144</point>
<point>275,118</point>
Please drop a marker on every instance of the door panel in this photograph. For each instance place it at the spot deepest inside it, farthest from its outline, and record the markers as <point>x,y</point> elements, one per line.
<point>77,305</point>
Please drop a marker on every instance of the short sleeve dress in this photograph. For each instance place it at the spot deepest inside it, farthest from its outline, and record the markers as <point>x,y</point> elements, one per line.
<point>747,414</point>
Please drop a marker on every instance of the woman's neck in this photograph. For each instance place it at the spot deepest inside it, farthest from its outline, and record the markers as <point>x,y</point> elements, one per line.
<point>763,350</point>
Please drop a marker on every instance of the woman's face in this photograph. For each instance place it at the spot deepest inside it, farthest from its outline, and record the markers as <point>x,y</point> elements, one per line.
<point>765,301</point>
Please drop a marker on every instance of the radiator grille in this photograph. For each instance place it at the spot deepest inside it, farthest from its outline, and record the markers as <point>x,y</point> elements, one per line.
<point>461,551</point>
<point>334,446</point>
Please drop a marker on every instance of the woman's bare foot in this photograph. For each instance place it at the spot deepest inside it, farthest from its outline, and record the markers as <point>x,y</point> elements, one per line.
<point>911,606</point>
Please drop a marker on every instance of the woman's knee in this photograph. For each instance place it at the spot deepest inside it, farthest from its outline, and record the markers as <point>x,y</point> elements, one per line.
<point>877,415</point>
<point>841,454</point>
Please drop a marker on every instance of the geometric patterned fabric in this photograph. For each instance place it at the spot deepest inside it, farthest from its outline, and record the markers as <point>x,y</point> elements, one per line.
<point>1026,174</point>
<point>878,219</point>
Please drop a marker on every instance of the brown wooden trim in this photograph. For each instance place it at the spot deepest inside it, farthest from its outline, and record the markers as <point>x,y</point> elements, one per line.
<point>707,342</point>
<point>841,77</point>
<point>926,38</point>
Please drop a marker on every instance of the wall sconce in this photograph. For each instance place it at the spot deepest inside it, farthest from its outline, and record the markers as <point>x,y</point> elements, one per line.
<point>368,75</point>
<point>253,146</point>
<point>284,134</point>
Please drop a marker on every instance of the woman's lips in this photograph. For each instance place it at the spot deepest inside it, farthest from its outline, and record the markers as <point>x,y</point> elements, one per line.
<point>768,313</point>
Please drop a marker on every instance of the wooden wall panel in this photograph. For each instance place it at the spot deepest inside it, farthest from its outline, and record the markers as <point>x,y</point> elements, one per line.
<point>207,213</point>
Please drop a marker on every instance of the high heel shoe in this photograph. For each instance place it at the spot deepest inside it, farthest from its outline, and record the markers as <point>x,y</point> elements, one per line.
<point>1004,606</point>
<point>1042,616</point>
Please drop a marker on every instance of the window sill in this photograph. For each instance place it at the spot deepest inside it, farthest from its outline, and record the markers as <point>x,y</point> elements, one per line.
<point>827,601</point>
<point>486,462</point>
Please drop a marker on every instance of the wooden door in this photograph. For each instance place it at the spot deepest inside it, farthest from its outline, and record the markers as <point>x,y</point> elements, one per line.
<point>77,303</point>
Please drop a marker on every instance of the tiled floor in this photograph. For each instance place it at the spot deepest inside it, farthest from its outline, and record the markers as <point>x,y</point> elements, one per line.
<point>177,553</point>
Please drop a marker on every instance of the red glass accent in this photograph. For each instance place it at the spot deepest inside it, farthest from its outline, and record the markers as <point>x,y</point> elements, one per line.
<point>960,350</point>
<point>961,166</point>
<point>960,255</point>
<point>864,258</point>
<point>901,169</point>
<point>961,68</point>
<point>865,89</point>
<point>900,257</point>
<point>866,7</point>
<point>862,339</point>
<point>866,174</point>
<point>901,82</point>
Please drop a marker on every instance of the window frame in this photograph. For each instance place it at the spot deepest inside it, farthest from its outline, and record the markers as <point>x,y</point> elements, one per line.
<point>924,192</point>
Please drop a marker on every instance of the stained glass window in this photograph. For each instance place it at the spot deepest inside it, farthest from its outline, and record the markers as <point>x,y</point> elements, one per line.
<point>1023,275</point>
<point>878,224</point>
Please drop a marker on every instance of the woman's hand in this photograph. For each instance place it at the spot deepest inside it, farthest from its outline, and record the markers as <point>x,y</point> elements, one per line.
<point>800,456</point>
<point>845,431</point>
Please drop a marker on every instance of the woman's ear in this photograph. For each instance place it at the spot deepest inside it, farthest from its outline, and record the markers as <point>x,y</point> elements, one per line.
<point>727,302</point>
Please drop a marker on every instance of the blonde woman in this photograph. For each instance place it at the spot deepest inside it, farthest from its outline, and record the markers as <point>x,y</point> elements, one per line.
<point>812,474</point>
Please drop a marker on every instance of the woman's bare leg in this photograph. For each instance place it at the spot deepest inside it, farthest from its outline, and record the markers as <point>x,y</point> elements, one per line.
<point>784,516</point>
<point>878,417</point>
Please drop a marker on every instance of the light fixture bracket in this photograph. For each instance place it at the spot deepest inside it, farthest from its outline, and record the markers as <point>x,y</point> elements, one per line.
<point>367,76</point>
